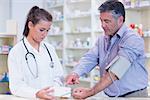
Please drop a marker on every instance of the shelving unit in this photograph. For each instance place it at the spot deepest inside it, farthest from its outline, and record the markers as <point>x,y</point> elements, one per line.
<point>79,23</point>
<point>7,41</point>
<point>79,34</point>
<point>56,34</point>
<point>139,14</point>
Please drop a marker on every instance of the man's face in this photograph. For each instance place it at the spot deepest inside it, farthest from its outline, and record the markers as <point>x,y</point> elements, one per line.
<point>109,23</point>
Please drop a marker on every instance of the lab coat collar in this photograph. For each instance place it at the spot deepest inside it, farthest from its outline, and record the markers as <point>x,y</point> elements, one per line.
<point>30,48</point>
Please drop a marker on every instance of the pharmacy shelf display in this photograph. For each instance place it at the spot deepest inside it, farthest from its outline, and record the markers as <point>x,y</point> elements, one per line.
<point>7,41</point>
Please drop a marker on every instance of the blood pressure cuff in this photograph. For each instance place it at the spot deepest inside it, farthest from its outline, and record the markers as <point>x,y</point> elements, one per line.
<point>119,66</point>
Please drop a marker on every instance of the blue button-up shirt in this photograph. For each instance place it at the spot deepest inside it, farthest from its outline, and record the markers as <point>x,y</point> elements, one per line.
<point>125,43</point>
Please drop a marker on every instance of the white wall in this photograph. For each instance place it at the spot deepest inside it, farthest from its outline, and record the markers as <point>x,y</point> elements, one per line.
<point>4,14</point>
<point>19,12</point>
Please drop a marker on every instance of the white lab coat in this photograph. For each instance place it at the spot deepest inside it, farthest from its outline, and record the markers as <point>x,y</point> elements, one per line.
<point>22,83</point>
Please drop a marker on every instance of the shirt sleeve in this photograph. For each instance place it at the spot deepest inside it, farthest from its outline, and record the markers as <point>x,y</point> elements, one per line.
<point>119,67</point>
<point>130,52</point>
<point>88,61</point>
<point>132,48</point>
<point>16,83</point>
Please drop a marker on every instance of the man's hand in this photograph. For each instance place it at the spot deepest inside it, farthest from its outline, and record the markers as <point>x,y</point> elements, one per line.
<point>46,93</point>
<point>72,78</point>
<point>82,93</point>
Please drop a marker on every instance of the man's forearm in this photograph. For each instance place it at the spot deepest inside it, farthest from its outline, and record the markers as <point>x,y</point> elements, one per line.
<point>104,82</point>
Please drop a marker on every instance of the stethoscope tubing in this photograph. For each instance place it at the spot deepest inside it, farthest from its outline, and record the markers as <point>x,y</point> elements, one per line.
<point>29,53</point>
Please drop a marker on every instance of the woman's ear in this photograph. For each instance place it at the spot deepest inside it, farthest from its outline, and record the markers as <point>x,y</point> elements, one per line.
<point>30,24</point>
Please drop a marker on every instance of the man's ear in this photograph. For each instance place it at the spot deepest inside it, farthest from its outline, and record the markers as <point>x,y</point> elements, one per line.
<point>120,19</point>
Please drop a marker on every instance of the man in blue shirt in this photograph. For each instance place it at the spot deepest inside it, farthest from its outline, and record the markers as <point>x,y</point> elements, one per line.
<point>120,55</point>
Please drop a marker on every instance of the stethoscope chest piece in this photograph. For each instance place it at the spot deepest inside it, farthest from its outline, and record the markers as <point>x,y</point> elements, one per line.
<point>51,64</point>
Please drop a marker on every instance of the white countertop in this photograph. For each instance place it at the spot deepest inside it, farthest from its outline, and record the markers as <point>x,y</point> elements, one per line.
<point>11,97</point>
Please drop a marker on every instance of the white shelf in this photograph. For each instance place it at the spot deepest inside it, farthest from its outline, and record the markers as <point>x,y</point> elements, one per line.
<point>56,6</point>
<point>146,34</point>
<point>79,33</point>
<point>85,80</point>
<point>55,35</point>
<point>69,65</point>
<point>59,49</point>
<point>56,21</point>
<point>79,48</point>
<point>53,4</point>
<point>79,17</point>
<point>76,1</point>
<point>4,53</point>
<point>3,35</point>
<point>138,8</point>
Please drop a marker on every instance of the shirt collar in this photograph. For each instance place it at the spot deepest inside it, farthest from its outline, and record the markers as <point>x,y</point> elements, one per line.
<point>118,34</point>
<point>121,31</point>
<point>106,37</point>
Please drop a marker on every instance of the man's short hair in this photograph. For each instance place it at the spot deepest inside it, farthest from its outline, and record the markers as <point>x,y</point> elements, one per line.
<point>113,6</point>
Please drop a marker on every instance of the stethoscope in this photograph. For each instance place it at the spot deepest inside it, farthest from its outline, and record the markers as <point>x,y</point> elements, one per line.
<point>31,54</point>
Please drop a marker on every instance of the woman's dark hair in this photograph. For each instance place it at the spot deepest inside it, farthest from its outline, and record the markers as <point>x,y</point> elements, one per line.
<point>35,15</point>
<point>114,6</point>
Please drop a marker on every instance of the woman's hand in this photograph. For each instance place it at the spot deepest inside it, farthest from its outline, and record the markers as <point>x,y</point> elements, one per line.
<point>46,93</point>
<point>72,78</point>
<point>81,93</point>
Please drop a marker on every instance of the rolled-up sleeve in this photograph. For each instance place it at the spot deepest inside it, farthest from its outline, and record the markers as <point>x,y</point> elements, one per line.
<point>88,61</point>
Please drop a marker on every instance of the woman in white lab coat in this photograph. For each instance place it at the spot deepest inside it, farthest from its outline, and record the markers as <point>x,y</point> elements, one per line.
<point>33,64</point>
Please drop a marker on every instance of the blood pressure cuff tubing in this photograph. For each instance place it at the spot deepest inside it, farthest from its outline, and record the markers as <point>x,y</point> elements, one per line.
<point>119,67</point>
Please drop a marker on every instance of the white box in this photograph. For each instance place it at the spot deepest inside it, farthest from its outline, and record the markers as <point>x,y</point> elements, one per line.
<point>62,91</point>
